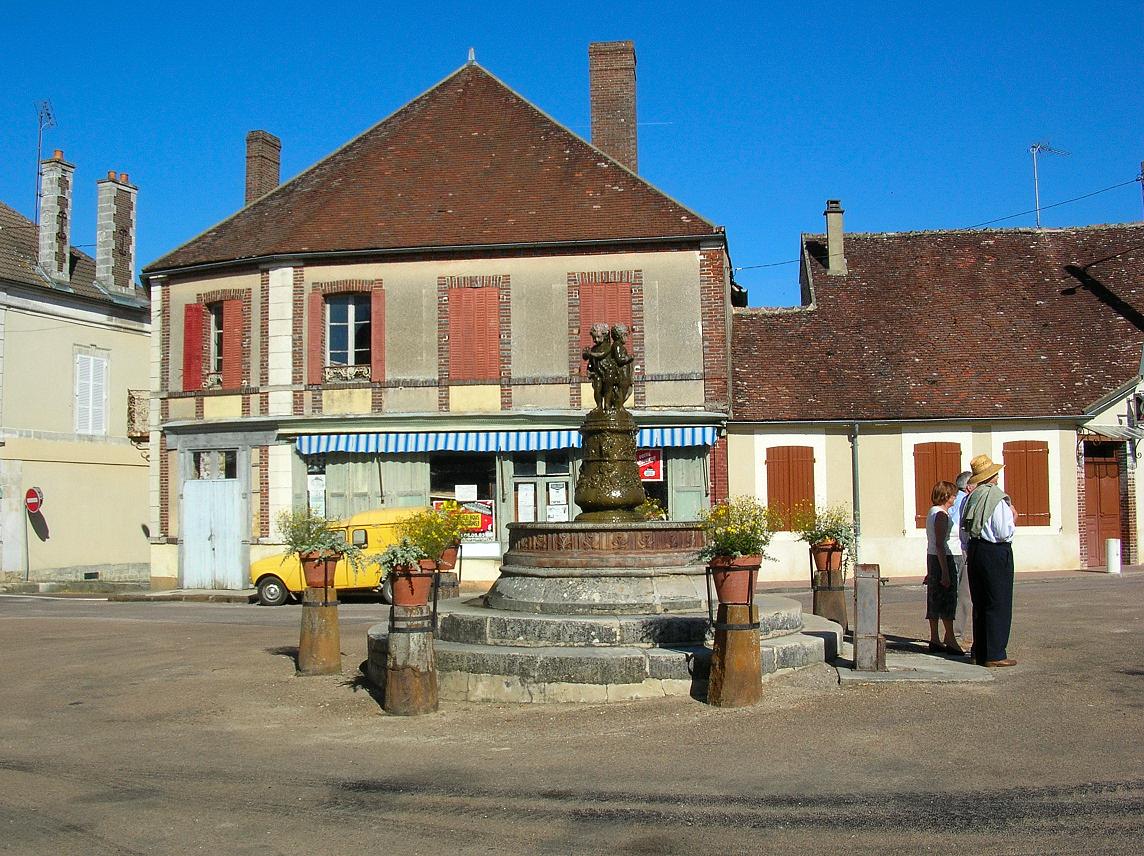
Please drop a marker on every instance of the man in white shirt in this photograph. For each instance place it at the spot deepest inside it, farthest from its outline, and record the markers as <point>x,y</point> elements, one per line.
<point>988,522</point>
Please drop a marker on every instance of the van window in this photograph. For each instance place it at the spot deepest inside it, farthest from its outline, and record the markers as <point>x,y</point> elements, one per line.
<point>360,538</point>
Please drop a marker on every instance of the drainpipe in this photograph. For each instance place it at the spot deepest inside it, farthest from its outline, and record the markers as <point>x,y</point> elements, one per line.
<point>855,494</point>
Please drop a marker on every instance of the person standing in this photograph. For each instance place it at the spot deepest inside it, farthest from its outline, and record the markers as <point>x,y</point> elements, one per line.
<point>941,572</point>
<point>988,520</point>
<point>958,542</point>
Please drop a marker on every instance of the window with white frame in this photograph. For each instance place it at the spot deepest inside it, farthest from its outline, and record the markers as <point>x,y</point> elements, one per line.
<point>348,330</point>
<point>91,392</point>
<point>214,364</point>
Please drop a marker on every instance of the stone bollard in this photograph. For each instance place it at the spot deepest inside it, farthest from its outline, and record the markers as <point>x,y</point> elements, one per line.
<point>319,645</point>
<point>410,665</point>
<point>736,678</point>
<point>869,643</point>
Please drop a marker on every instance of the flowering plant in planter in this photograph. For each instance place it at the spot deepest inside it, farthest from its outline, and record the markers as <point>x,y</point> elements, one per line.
<point>409,570</point>
<point>435,530</point>
<point>831,526</point>
<point>317,544</point>
<point>738,531</point>
<point>403,554</point>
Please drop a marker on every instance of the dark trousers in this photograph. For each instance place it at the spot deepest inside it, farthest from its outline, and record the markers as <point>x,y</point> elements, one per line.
<point>991,585</point>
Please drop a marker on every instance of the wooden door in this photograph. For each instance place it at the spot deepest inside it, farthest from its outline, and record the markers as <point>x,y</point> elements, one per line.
<point>1102,505</point>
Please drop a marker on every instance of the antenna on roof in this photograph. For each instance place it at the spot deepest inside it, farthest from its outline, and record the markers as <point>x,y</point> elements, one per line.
<point>45,119</point>
<point>472,56</point>
<point>1034,150</point>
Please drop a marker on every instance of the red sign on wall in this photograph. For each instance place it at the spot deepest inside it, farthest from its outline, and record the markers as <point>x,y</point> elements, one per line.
<point>650,463</point>
<point>33,500</point>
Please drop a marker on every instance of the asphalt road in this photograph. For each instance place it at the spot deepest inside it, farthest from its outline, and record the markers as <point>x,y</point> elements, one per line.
<point>131,728</point>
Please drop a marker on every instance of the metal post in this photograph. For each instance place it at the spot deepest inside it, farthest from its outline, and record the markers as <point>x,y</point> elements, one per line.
<point>319,643</point>
<point>869,643</point>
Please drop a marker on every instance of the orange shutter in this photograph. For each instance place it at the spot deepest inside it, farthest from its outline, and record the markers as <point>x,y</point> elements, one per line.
<point>604,303</point>
<point>474,334</point>
<point>194,320</point>
<point>933,462</point>
<point>233,354</point>
<point>790,480</point>
<point>1026,479</point>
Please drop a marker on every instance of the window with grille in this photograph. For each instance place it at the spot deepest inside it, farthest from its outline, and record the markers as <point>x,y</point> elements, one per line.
<point>1026,480</point>
<point>91,393</point>
<point>933,462</point>
<point>348,328</point>
<point>790,480</point>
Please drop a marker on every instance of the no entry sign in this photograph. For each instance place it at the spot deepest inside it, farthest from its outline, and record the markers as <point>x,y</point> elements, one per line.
<point>33,500</point>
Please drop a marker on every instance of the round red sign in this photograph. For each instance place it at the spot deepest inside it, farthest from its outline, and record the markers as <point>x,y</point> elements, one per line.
<point>33,499</point>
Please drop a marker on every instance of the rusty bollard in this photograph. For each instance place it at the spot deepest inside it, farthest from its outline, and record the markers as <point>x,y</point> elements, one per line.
<point>410,664</point>
<point>319,645</point>
<point>736,678</point>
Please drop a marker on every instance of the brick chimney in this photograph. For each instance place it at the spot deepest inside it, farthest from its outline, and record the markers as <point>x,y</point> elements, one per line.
<point>263,161</point>
<point>835,255</point>
<point>612,91</point>
<point>55,217</point>
<point>115,232</point>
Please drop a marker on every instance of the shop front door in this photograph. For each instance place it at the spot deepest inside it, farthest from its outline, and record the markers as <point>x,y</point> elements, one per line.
<point>1102,504</point>
<point>212,555</point>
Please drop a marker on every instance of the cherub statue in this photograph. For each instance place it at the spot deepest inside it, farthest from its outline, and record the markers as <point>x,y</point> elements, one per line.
<point>623,385</point>
<point>597,356</point>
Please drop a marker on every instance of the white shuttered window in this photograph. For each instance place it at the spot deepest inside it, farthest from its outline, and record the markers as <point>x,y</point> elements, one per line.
<point>90,394</point>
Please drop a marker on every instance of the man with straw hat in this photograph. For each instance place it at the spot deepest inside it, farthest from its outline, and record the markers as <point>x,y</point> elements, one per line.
<point>987,520</point>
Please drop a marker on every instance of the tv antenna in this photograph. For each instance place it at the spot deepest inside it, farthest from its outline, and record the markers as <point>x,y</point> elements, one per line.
<point>44,119</point>
<point>1034,150</point>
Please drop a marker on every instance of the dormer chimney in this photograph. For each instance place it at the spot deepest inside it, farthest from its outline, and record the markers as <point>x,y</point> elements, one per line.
<point>835,254</point>
<point>612,91</point>
<point>115,233</point>
<point>263,163</point>
<point>55,217</point>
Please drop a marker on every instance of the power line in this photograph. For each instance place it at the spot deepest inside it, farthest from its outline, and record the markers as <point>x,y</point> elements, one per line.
<point>1139,178</point>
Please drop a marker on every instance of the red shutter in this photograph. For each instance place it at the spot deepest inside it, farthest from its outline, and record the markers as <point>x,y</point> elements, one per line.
<point>316,339</point>
<point>194,320</point>
<point>790,480</point>
<point>233,354</point>
<point>933,462</point>
<point>1026,479</point>
<point>604,303</point>
<point>474,334</point>
<point>377,333</point>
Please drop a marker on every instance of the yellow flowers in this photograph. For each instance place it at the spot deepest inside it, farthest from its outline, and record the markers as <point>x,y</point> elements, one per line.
<point>739,526</point>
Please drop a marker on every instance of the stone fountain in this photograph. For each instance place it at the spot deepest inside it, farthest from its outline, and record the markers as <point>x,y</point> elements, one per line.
<point>609,606</point>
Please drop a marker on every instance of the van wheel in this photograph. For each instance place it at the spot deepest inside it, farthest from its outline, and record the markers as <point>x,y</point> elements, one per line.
<point>272,592</point>
<point>387,589</point>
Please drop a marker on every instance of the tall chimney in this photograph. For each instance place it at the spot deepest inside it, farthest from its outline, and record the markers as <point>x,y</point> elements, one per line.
<point>115,232</point>
<point>55,217</point>
<point>612,91</point>
<point>835,254</point>
<point>263,161</point>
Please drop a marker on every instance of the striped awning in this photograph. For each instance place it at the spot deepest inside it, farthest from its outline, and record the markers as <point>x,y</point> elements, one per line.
<point>487,441</point>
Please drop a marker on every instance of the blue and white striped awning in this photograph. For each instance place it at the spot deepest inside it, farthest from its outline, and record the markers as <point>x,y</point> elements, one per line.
<point>488,441</point>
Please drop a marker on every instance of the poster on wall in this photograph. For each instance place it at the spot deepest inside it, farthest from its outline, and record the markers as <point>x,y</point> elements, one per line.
<point>556,513</point>
<point>650,463</point>
<point>479,519</point>
<point>316,489</point>
<point>525,502</point>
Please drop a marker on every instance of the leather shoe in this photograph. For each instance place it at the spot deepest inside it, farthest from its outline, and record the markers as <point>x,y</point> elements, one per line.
<point>999,664</point>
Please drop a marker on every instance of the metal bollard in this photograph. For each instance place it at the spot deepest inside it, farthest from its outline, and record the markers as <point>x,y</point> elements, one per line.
<point>1112,556</point>
<point>319,643</point>
<point>869,643</point>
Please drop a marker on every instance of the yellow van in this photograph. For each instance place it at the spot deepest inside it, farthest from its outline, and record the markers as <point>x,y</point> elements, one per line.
<point>277,577</point>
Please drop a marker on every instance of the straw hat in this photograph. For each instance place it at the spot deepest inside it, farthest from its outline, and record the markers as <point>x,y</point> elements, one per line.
<point>983,469</point>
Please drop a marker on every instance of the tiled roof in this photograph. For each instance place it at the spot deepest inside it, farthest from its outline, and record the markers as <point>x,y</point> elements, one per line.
<point>960,324</point>
<point>19,254</point>
<point>470,162</point>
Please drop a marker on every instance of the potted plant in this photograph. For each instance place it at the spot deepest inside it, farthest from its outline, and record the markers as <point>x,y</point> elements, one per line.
<point>453,522</point>
<point>318,546</point>
<point>412,571</point>
<point>738,531</point>
<point>650,509</point>
<point>830,533</point>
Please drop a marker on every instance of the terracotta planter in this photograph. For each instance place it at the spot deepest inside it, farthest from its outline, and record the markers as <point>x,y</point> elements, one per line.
<point>412,585</point>
<point>827,555</point>
<point>448,559</point>
<point>735,577</point>
<point>319,570</point>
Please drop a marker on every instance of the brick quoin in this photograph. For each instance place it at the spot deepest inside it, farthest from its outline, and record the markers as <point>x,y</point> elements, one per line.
<point>263,491</point>
<point>164,340</point>
<point>263,331</point>
<point>1127,479</point>
<point>504,332</point>
<point>1081,508</point>
<point>713,302</point>
<point>164,489</point>
<point>298,339</point>
<point>442,344</point>
<point>574,350</point>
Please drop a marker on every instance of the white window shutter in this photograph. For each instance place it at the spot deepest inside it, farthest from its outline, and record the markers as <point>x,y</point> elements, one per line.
<point>83,394</point>
<point>98,395</point>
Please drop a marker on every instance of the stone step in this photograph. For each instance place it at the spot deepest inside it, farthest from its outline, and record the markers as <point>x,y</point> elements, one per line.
<point>470,623</point>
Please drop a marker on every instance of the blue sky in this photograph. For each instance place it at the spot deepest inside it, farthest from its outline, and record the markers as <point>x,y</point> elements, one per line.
<point>915,115</point>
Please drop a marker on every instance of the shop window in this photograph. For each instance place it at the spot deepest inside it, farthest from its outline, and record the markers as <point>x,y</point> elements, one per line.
<point>790,481</point>
<point>933,462</point>
<point>474,334</point>
<point>1026,479</point>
